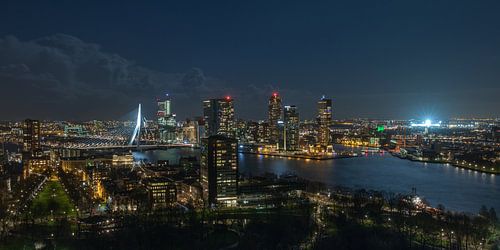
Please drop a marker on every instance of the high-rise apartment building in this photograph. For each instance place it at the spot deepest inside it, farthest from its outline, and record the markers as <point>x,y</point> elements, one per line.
<point>167,124</point>
<point>274,117</point>
<point>219,171</point>
<point>324,120</point>
<point>31,138</point>
<point>219,117</point>
<point>164,110</point>
<point>291,124</point>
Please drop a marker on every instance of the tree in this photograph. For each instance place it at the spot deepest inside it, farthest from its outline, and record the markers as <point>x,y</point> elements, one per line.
<point>441,207</point>
<point>484,212</point>
<point>53,205</point>
<point>493,215</point>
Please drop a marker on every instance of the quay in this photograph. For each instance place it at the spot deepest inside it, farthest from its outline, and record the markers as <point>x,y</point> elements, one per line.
<point>303,156</point>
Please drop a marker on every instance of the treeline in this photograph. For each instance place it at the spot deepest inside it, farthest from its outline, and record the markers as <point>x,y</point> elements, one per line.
<point>388,221</point>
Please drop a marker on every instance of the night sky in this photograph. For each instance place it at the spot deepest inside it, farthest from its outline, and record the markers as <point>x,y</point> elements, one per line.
<point>375,59</point>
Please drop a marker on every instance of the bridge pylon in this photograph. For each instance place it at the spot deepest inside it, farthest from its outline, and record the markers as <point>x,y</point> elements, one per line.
<point>136,136</point>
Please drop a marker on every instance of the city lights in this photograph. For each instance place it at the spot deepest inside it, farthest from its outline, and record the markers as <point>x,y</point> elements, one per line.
<point>427,123</point>
<point>267,125</point>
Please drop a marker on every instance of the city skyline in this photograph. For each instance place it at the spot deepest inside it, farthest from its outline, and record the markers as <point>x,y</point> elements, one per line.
<point>249,125</point>
<point>411,60</point>
<point>152,113</point>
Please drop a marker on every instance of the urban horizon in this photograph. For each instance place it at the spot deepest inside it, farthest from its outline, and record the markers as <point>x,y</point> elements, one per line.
<point>127,116</point>
<point>250,125</point>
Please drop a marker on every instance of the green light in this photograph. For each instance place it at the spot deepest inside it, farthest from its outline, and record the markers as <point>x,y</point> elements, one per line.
<point>380,128</point>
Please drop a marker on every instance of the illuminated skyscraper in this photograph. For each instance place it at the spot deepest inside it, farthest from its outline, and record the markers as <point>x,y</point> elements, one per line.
<point>291,128</point>
<point>274,116</point>
<point>219,170</point>
<point>163,110</point>
<point>31,138</point>
<point>324,121</point>
<point>167,123</point>
<point>219,117</point>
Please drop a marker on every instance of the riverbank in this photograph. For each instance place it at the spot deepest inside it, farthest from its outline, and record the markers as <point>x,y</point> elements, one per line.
<point>457,164</point>
<point>299,156</point>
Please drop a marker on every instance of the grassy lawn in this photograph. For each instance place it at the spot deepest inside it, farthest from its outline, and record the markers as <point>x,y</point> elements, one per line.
<point>52,198</point>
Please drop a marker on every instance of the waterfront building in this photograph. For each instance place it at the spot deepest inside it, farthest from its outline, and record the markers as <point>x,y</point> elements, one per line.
<point>219,171</point>
<point>250,134</point>
<point>274,117</point>
<point>219,117</point>
<point>268,191</point>
<point>291,124</point>
<point>242,131</point>
<point>324,119</point>
<point>31,138</point>
<point>122,160</point>
<point>262,132</point>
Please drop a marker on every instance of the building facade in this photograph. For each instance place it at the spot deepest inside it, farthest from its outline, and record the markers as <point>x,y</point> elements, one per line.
<point>219,117</point>
<point>324,119</point>
<point>219,171</point>
<point>291,123</point>
<point>164,110</point>
<point>31,138</point>
<point>274,117</point>
<point>167,124</point>
<point>161,192</point>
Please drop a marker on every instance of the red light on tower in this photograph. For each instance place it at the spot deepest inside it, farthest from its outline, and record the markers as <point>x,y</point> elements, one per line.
<point>275,94</point>
<point>228,98</point>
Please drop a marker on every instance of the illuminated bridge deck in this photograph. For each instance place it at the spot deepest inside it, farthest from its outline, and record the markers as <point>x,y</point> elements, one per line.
<point>141,147</point>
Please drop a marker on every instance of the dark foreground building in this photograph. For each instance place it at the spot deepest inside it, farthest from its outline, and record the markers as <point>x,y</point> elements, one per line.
<point>219,171</point>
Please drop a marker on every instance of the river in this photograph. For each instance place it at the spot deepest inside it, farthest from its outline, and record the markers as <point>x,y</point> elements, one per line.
<point>457,189</point>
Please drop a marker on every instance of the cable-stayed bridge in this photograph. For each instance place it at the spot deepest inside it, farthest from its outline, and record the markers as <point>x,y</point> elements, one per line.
<point>124,135</point>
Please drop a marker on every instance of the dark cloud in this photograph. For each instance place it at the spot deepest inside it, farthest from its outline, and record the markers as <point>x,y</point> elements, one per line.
<point>62,76</point>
